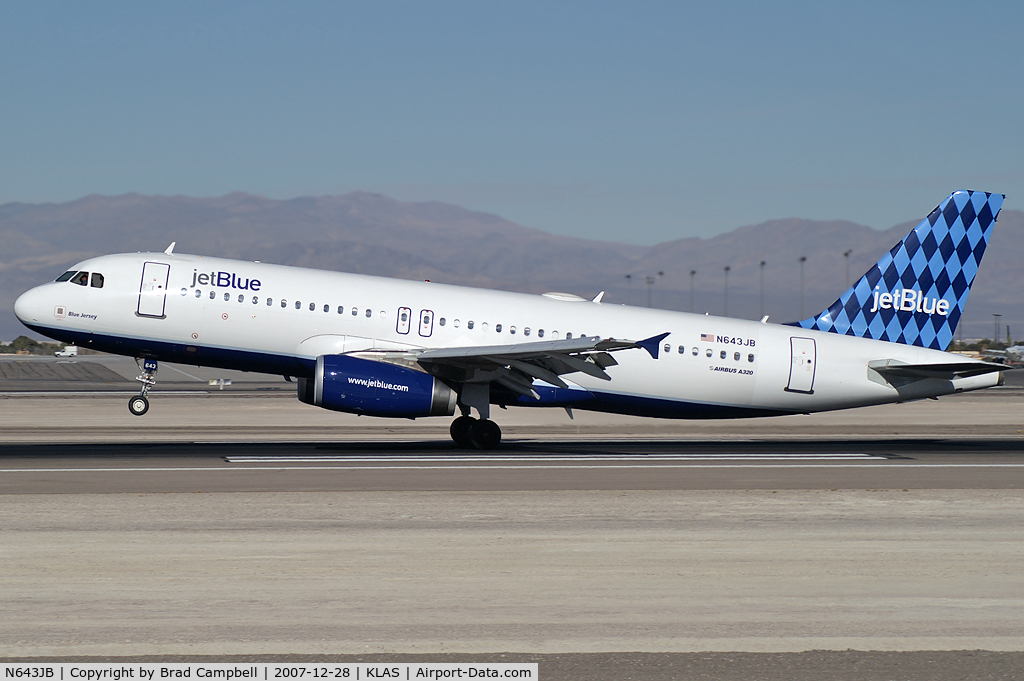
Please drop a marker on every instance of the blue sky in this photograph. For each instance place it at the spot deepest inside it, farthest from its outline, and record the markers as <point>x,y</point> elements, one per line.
<point>639,122</point>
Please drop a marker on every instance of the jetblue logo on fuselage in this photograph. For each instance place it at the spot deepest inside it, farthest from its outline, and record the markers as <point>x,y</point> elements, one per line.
<point>909,300</point>
<point>224,280</point>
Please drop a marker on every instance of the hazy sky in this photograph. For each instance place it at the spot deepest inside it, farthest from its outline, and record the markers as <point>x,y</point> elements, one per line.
<point>630,121</point>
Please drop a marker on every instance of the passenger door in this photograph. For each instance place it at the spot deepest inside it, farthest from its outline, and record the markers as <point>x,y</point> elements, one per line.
<point>801,370</point>
<point>153,289</point>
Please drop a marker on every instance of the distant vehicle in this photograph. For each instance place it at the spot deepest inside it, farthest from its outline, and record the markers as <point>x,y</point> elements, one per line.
<point>1011,355</point>
<point>67,351</point>
<point>406,349</point>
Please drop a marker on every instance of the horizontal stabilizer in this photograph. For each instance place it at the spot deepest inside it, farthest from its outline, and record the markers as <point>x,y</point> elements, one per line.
<point>943,371</point>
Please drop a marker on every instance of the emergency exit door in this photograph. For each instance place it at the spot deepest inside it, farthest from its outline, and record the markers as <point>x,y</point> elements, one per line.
<point>153,289</point>
<point>801,370</point>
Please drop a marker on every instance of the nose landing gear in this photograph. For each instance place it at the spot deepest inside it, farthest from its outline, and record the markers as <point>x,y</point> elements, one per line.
<point>138,404</point>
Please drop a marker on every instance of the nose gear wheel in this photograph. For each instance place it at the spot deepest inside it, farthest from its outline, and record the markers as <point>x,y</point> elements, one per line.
<point>139,404</point>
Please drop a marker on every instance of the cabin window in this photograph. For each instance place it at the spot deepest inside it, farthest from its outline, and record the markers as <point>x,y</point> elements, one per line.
<point>568,336</point>
<point>695,351</point>
<point>497,328</point>
<point>750,357</point>
<point>97,280</point>
<point>82,279</point>
<point>540,333</point>
<point>355,311</point>
<point>255,300</point>
<point>722,354</point>
<point>526,331</point>
<point>369,313</point>
<point>668,348</point>
<point>312,307</point>
<point>554,334</point>
<point>736,356</point>
<point>67,275</point>
<point>682,350</point>
<point>469,324</point>
<point>298,305</point>
<point>382,314</point>
<point>341,309</point>
<point>483,326</point>
<point>441,321</point>
<point>327,308</point>
<point>184,291</point>
<point>213,294</point>
<point>227,296</point>
<point>270,301</point>
<point>199,293</point>
<point>710,352</point>
<point>241,298</point>
<point>512,330</point>
<point>284,303</point>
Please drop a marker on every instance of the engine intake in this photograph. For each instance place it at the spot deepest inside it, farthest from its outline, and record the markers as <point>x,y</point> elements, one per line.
<point>363,386</point>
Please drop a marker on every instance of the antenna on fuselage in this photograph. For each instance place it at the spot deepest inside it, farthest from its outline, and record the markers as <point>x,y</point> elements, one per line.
<point>170,249</point>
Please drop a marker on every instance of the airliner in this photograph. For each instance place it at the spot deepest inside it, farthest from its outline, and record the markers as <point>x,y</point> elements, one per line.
<point>408,349</point>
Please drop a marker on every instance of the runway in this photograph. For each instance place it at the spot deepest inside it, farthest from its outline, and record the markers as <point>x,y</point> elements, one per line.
<point>521,465</point>
<point>239,522</point>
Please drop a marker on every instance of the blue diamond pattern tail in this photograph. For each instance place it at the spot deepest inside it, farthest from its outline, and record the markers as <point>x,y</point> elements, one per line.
<point>916,293</point>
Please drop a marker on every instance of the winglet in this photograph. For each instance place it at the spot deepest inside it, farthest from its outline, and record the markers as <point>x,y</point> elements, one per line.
<point>652,344</point>
<point>170,249</point>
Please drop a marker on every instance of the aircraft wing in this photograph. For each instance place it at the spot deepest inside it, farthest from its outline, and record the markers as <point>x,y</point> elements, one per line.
<point>516,366</point>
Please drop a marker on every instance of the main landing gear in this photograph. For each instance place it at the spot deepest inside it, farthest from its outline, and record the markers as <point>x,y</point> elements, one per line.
<point>138,404</point>
<point>471,433</point>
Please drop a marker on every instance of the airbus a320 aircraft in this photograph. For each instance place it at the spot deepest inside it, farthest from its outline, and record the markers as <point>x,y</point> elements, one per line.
<point>395,348</point>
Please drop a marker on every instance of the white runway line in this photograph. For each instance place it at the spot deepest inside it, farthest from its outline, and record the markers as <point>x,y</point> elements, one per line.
<point>638,458</point>
<point>681,465</point>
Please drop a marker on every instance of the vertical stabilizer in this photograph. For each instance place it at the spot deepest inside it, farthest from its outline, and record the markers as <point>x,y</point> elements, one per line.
<point>916,293</point>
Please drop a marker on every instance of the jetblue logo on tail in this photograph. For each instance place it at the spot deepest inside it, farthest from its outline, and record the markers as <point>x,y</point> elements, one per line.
<point>909,300</point>
<point>916,292</point>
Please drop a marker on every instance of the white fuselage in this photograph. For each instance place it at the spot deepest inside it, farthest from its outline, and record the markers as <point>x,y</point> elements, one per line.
<point>277,319</point>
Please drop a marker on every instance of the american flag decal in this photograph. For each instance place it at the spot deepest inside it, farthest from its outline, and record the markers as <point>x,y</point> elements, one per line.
<point>707,337</point>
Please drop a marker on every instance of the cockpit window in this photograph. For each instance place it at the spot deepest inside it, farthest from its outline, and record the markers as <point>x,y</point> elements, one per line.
<point>67,275</point>
<point>97,280</point>
<point>82,279</point>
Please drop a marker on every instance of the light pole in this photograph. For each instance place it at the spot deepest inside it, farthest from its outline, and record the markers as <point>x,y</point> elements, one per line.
<point>846,254</point>
<point>725,312</point>
<point>693,273</point>
<point>803,259</point>
<point>762,289</point>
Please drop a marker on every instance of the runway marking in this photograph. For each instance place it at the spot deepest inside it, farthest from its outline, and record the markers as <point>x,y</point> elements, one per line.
<point>866,464</point>
<point>564,457</point>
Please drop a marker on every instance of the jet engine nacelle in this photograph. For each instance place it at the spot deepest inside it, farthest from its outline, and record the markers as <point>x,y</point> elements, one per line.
<point>363,386</point>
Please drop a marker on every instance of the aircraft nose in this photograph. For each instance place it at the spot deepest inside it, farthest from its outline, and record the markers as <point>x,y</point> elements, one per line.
<point>26,307</point>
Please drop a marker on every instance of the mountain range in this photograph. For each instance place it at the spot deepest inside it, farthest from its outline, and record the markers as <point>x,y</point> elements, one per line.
<point>374,234</point>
